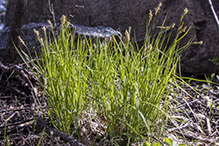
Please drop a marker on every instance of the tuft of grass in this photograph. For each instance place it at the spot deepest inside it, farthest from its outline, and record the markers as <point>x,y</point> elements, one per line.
<point>126,89</point>
<point>5,131</point>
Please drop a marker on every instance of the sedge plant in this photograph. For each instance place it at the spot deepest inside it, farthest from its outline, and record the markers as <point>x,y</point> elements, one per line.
<point>127,89</point>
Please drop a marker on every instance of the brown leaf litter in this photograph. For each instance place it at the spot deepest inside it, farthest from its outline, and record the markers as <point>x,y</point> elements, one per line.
<point>18,89</point>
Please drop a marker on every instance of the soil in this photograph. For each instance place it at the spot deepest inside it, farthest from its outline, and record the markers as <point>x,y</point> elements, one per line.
<point>24,119</point>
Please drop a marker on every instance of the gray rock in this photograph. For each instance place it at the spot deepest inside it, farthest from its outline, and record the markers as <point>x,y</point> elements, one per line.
<point>120,14</point>
<point>30,39</point>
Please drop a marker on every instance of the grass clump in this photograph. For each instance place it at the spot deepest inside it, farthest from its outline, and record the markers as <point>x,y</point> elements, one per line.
<point>125,89</point>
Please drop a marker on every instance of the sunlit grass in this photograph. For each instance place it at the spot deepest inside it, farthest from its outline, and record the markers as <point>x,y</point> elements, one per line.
<point>127,88</point>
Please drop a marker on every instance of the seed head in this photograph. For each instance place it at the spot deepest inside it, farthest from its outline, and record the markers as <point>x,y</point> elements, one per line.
<point>37,34</point>
<point>183,30</point>
<point>44,28</point>
<point>167,27</point>
<point>22,41</point>
<point>198,43</point>
<point>150,16</point>
<point>171,26</point>
<point>50,23</point>
<point>130,29</point>
<point>184,13</point>
<point>158,8</point>
<point>127,37</point>
<point>63,19</point>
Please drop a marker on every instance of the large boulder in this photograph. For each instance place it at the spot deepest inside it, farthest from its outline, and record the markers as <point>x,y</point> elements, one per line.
<point>120,14</point>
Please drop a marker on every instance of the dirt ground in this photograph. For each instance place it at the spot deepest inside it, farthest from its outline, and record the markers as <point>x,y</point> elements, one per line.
<point>20,125</point>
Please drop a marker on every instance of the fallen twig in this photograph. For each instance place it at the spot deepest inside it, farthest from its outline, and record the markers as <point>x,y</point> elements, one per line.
<point>54,132</point>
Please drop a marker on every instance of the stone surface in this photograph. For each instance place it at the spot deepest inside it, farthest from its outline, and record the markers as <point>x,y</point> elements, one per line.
<point>30,39</point>
<point>120,14</point>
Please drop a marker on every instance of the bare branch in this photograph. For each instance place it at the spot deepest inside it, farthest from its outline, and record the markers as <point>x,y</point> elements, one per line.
<point>214,14</point>
<point>52,12</point>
